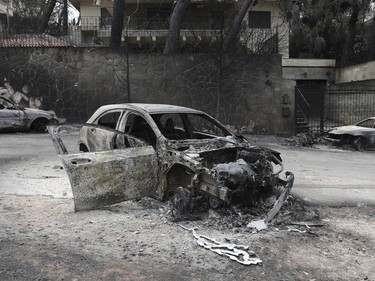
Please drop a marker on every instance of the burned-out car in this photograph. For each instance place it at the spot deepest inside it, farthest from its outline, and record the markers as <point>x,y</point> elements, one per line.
<point>17,118</point>
<point>129,151</point>
<point>361,135</point>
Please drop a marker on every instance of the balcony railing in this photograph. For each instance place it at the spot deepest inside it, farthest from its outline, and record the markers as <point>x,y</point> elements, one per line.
<point>97,23</point>
<point>152,27</point>
<point>261,40</point>
<point>144,30</point>
<point>141,34</point>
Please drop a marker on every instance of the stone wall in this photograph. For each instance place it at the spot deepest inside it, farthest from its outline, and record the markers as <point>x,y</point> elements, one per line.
<point>245,91</point>
<point>356,73</point>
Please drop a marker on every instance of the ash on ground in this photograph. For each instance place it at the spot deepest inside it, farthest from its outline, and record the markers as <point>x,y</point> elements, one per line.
<point>308,139</point>
<point>232,217</point>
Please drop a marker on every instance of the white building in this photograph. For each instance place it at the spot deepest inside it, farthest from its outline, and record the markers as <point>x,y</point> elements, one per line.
<point>146,23</point>
<point>6,11</point>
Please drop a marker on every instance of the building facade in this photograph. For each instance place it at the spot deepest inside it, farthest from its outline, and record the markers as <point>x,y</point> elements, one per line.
<point>146,24</point>
<point>6,11</point>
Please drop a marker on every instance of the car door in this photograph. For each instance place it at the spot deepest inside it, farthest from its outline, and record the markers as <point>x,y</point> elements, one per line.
<point>99,137</point>
<point>107,177</point>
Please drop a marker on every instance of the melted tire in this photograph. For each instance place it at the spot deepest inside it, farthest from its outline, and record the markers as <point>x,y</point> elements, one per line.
<point>359,143</point>
<point>39,125</point>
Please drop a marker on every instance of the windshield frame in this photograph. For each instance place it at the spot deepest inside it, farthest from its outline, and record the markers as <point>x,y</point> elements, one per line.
<point>188,126</point>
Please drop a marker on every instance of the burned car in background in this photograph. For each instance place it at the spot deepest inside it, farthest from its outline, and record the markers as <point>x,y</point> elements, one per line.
<point>17,118</point>
<point>361,135</point>
<point>129,151</point>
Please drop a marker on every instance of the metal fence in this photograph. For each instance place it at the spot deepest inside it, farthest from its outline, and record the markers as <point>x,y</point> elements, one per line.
<point>319,108</point>
<point>346,105</point>
<point>196,35</point>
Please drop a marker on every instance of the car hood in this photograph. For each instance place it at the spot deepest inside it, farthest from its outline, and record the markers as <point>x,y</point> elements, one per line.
<point>352,130</point>
<point>195,148</point>
<point>39,112</point>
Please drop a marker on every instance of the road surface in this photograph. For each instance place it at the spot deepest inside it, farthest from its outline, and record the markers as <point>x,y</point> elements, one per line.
<point>327,176</point>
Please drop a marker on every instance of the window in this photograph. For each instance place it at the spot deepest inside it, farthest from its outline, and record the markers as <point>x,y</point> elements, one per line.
<point>203,128</point>
<point>171,125</point>
<point>138,127</point>
<point>259,19</point>
<point>109,119</point>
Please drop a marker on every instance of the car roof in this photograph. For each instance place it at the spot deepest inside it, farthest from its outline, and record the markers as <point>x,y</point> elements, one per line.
<point>370,118</point>
<point>151,108</point>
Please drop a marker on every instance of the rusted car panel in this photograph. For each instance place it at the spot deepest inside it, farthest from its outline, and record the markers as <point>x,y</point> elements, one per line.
<point>104,178</point>
<point>108,176</point>
<point>121,163</point>
<point>361,135</point>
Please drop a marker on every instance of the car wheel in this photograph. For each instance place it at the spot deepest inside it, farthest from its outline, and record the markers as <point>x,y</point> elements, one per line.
<point>359,143</point>
<point>39,125</point>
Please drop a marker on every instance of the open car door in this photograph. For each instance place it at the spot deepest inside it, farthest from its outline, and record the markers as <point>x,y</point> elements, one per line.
<point>106,177</point>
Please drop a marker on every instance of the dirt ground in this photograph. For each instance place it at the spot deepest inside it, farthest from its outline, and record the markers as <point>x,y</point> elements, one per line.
<point>42,238</point>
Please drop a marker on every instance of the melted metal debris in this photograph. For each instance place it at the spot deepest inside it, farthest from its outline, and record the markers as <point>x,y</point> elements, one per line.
<point>235,252</point>
<point>262,224</point>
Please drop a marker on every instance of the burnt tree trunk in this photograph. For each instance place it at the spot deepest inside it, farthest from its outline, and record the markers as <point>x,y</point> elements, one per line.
<point>175,23</point>
<point>117,22</point>
<point>46,14</point>
<point>236,27</point>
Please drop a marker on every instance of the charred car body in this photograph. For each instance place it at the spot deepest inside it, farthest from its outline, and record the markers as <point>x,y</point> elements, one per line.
<point>129,151</point>
<point>16,118</point>
<point>361,135</point>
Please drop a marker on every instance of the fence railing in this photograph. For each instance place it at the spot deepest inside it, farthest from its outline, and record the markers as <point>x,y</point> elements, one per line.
<point>346,105</point>
<point>197,34</point>
<point>320,109</point>
<point>261,40</point>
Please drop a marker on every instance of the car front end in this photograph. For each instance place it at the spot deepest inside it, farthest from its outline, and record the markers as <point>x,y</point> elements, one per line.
<point>229,170</point>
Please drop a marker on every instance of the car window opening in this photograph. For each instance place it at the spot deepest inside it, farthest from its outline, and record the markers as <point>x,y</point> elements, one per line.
<point>109,120</point>
<point>178,126</point>
<point>138,127</point>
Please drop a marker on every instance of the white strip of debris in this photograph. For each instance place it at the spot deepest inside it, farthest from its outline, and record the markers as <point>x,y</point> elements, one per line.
<point>238,253</point>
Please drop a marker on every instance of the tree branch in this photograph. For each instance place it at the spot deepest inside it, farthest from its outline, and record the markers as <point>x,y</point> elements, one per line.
<point>236,27</point>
